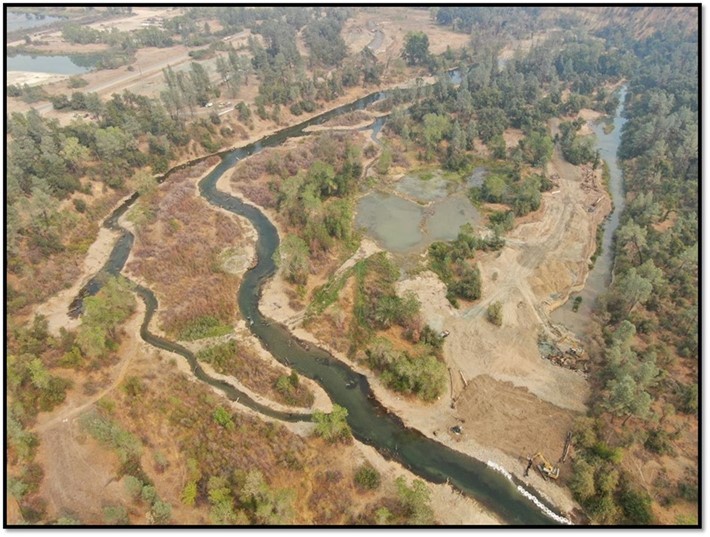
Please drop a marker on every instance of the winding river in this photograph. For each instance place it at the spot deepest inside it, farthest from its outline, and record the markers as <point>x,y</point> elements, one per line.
<point>599,277</point>
<point>369,421</point>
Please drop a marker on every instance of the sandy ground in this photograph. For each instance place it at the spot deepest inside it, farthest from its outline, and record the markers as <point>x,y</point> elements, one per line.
<point>33,79</point>
<point>450,506</point>
<point>435,420</point>
<point>138,18</point>
<point>590,116</point>
<point>322,128</point>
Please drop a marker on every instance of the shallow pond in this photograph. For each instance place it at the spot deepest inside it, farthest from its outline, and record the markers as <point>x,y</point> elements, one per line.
<point>422,190</point>
<point>448,216</point>
<point>22,21</point>
<point>392,221</point>
<point>60,65</point>
<point>428,210</point>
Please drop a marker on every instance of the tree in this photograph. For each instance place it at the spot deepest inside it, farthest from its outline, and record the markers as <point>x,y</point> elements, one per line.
<point>222,503</point>
<point>633,289</point>
<point>268,506</point>
<point>338,219</point>
<point>582,482</point>
<point>103,313</point>
<point>627,399</point>
<point>292,257</point>
<point>457,147</point>
<point>537,148</point>
<point>114,145</point>
<point>333,427</point>
<point>416,48</point>
<point>631,234</point>
<point>435,128</point>
<point>74,153</point>
<point>145,182</point>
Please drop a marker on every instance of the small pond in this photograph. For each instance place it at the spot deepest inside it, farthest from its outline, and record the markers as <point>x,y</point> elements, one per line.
<point>25,21</point>
<point>419,212</point>
<point>59,65</point>
<point>390,220</point>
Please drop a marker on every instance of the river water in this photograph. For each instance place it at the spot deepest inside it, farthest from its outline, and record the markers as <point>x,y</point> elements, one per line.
<point>600,276</point>
<point>369,421</point>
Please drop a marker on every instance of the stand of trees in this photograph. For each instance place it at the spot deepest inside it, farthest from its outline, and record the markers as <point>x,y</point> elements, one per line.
<point>449,260</point>
<point>651,309</point>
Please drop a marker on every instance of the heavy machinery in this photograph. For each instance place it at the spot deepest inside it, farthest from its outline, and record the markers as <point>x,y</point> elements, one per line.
<point>545,468</point>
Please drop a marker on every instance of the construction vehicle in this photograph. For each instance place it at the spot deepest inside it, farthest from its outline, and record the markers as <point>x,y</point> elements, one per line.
<point>545,468</point>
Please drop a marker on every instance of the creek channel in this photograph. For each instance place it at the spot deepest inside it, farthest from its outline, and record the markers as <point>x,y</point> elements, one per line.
<point>370,422</point>
<point>599,277</point>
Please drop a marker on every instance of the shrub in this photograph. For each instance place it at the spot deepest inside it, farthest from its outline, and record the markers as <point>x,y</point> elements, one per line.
<point>494,313</point>
<point>203,327</point>
<point>575,304</point>
<point>501,221</point>
<point>79,205</point>
<point>636,506</point>
<point>659,441</point>
<point>161,512</point>
<point>223,418</point>
<point>133,485</point>
<point>333,427</point>
<point>77,82</point>
<point>367,477</point>
<point>116,515</point>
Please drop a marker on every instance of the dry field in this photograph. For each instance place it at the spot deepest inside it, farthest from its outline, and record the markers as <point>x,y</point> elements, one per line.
<point>395,22</point>
<point>177,252</point>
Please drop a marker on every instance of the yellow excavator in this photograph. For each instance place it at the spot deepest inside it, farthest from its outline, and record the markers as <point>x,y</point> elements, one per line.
<point>546,469</point>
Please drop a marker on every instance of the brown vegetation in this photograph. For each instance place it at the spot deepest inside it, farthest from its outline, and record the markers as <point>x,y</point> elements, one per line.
<point>177,251</point>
